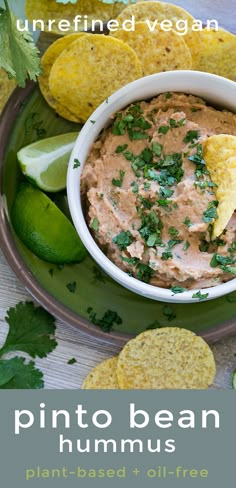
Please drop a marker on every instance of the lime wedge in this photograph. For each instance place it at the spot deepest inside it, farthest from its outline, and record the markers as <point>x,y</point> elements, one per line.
<point>43,228</point>
<point>45,162</point>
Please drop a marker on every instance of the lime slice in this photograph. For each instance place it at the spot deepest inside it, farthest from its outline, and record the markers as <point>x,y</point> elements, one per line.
<point>43,228</point>
<point>45,162</point>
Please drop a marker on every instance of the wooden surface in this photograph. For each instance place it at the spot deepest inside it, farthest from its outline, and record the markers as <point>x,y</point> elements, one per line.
<point>87,351</point>
<point>71,343</point>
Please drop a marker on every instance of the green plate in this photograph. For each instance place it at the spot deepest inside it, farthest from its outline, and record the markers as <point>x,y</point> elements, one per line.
<point>82,294</point>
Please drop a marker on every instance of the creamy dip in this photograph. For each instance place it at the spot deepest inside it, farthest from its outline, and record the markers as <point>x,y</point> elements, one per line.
<point>150,200</point>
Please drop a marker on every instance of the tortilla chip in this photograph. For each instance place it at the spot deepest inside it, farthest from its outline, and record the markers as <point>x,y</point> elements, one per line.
<point>6,88</point>
<point>220,157</point>
<point>218,53</point>
<point>158,50</point>
<point>50,9</point>
<point>49,57</point>
<point>160,11</point>
<point>166,358</point>
<point>90,70</point>
<point>103,376</point>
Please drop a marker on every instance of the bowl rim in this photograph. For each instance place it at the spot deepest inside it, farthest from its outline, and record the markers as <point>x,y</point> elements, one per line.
<point>89,133</point>
<point>32,285</point>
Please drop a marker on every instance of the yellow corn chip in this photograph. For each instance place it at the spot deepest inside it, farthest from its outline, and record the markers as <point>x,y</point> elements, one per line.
<point>218,53</point>
<point>220,157</point>
<point>6,88</point>
<point>49,57</point>
<point>160,11</point>
<point>166,358</point>
<point>157,50</point>
<point>90,70</point>
<point>103,376</point>
<point>51,10</point>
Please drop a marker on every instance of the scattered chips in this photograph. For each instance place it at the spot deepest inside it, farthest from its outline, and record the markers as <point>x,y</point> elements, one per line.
<point>6,88</point>
<point>220,157</point>
<point>159,12</point>
<point>89,10</point>
<point>103,376</point>
<point>157,50</point>
<point>218,53</point>
<point>49,57</point>
<point>90,70</point>
<point>166,358</point>
<point>158,359</point>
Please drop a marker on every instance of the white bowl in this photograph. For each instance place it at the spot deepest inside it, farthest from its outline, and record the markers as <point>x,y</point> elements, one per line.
<point>215,90</point>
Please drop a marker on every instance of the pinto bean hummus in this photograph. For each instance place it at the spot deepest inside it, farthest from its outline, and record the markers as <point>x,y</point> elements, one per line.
<point>149,199</point>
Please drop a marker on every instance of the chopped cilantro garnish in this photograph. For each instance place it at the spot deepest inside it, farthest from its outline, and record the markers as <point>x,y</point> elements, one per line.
<point>173,231</point>
<point>169,312</point>
<point>132,261</point>
<point>231,249</point>
<point>95,224</point>
<point>144,272</point>
<point>163,129</point>
<point>107,322</point>
<point>123,240</point>
<point>178,289</point>
<point>174,242</point>
<point>188,222</point>
<point>191,136</point>
<point>166,192</point>
<point>93,121</point>
<point>219,260</point>
<point>157,149</point>
<point>119,182</point>
<point>186,246</point>
<point>72,361</point>
<point>146,203</point>
<point>200,296</point>
<point>121,149</point>
<point>163,202</point>
<point>146,186</point>
<point>153,239</point>
<point>71,286</point>
<point>204,246</point>
<point>151,224</point>
<point>168,95</point>
<point>135,187</point>
<point>166,255</point>
<point>76,163</point>
<point>211,213</point>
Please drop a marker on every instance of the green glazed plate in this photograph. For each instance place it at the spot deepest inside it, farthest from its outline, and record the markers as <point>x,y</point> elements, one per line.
<point>83,295</point>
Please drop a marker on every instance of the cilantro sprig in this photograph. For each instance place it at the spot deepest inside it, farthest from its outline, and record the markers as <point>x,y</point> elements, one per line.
<point>18,55</point>
<point>31,331</point>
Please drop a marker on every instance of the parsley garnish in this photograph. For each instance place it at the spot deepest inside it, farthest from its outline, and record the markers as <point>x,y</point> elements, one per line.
<point>168,95</point>
<point>200,296</point>
<point>119,182</point>
<point>174,242</point>
<point>163,129</point>
<point>72,361</point>
<point>166,255</point>
<point>121,149</point>
<point>123,240</point>
<point>131,261</point>
<point>157,149</point>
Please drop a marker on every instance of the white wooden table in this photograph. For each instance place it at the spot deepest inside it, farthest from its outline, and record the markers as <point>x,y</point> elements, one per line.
<point>87,351</point>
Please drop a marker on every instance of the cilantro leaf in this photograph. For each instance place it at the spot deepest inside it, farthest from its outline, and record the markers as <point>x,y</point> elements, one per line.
<point>15,374</point>
<point>18,54</point>
<point>30,328</point>
<point>200,296</point>
<point>123,240</point>
<point>178,289</point>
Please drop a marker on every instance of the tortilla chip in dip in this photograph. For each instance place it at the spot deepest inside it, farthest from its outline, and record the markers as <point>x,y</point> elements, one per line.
<point>218,53</point>
<point>166,358</point>
<point>220,157</point>
<point>103,376</point>
<point>157,50</point>
<point>49,57</point>
<point>90,70</point>
<point>156,12</point>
